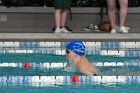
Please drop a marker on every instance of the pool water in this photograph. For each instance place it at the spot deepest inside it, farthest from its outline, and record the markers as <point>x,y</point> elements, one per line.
<point>38,59</point>
<point>119,66</point>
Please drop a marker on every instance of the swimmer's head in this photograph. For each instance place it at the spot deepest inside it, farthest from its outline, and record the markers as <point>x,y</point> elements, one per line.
<point>77,47</point>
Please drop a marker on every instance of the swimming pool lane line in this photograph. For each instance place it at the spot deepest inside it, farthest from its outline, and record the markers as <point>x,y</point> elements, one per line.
<point>33,44</point>
<point>68,80</point>
<point>115,53</point>
<point>61,65</point>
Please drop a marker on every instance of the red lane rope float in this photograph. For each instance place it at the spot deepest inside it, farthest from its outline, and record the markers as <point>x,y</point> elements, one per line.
<point>26,65</point>
<point>75,80</point>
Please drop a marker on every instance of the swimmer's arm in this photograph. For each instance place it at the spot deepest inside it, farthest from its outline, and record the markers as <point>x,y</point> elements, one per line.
<point>84,71</point>
<point>89,71</point>
<point>88,74</point>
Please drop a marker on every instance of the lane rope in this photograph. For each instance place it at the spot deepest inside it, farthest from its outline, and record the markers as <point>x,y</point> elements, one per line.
<point>61,65</point>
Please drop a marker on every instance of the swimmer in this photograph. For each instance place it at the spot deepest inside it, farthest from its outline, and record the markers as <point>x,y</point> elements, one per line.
<point>75,54</point>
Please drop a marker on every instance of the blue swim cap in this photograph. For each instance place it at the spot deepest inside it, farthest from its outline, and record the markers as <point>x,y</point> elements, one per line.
<point>77,47</point>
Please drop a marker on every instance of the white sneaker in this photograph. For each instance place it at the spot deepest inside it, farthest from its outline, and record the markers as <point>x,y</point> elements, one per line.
<point>57,30</point>
<point>113,31</point>
<point>118,28</point>
<point>127,28</point>
<point>123,30</point>
<point>64,30</point>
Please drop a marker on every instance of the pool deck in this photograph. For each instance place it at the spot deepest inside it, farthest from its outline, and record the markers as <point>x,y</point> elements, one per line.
<point>71,36</point>
<point>35,24</point>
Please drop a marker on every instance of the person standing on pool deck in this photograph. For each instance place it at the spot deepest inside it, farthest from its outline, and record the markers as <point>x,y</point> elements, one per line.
<point>75,54</point>
<point>61,11</point>
<point>123,13</point>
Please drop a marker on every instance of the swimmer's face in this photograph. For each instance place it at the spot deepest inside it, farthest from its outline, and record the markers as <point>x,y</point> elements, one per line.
<point>70,55</point>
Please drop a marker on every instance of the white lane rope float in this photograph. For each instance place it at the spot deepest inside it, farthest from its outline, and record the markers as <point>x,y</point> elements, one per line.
<point>61,64</point>
<point>68,80</point>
